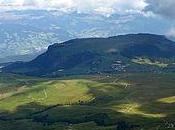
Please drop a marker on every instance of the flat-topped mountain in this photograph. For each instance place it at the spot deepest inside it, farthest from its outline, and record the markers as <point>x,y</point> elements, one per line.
<point>123,53</point>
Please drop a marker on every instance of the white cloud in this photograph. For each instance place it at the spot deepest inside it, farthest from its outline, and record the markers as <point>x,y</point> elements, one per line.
<point>171,32</point>
<point>104,7</point>
<point>104,11</point>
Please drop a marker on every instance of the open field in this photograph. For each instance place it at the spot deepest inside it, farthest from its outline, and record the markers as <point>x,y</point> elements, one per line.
<point>105,102</point>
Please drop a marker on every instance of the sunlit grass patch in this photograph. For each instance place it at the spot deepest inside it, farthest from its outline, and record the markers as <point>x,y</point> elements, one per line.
<point>66,92</point>
<point>167,100</point>
<point>146,61</point>
<point>133,108</point>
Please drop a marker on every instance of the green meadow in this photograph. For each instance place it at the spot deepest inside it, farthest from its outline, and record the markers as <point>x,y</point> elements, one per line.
<point>98,102</point>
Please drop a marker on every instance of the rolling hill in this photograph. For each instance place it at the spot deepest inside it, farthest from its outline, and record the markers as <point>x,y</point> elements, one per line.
<point>123,53</point>
<point>115,102</point>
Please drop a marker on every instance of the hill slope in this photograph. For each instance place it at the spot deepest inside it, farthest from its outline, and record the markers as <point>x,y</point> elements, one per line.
<point>118,102</point>
<point>124,53</point>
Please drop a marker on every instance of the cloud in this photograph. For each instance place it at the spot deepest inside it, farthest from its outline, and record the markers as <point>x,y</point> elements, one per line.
<point>104,7</point>
<point>164,8</point>
<point>171,32</point>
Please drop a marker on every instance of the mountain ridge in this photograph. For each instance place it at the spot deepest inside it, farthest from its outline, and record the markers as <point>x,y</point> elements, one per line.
<point>101,55</point>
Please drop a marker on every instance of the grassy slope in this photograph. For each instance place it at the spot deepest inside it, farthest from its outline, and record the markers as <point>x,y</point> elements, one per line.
<point>95,102</point>
<point>146,61</point>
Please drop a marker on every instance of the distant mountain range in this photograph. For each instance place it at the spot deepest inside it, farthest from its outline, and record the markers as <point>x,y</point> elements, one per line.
<point>123,53</point>
<point>29,32</point>
<point>24,58</point>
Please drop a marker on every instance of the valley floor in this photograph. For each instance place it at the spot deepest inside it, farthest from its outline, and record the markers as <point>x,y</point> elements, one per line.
<point>99,102</point>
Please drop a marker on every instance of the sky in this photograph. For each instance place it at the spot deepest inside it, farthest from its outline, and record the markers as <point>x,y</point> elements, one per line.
<point>150,9</point>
